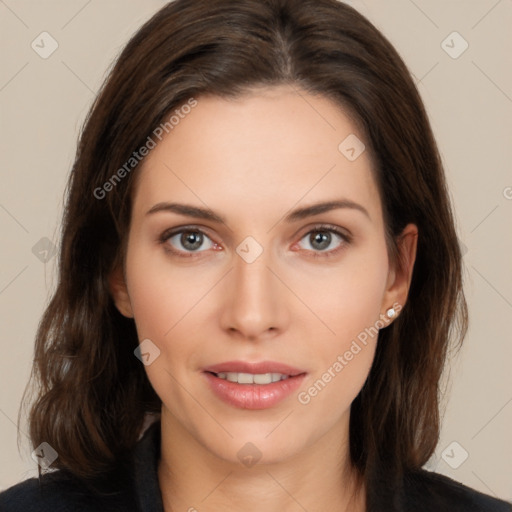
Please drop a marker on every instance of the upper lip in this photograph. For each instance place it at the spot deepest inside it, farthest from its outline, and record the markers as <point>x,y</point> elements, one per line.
<point>254,368</point>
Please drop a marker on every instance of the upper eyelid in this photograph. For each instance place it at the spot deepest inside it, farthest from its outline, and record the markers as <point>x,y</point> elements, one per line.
<point>169,233</point>
<point>315,227</point>
<point>325,226</point>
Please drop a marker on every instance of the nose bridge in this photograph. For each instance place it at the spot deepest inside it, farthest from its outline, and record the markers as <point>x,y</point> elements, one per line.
<point>254,304</point>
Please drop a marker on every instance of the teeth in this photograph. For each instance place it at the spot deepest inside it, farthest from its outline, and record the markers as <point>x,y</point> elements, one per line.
<point>250,378</point>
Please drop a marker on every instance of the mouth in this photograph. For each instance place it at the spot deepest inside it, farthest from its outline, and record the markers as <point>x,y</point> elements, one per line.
<point>250,378</point>
<point>260,368</point>
<point>253,385</point>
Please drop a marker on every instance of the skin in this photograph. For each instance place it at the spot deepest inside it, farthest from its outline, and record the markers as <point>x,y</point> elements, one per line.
<point>253,160</point>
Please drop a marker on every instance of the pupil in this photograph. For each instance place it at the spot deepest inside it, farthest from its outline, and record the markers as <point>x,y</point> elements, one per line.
<point>191,240</point>
<point>322,238</point>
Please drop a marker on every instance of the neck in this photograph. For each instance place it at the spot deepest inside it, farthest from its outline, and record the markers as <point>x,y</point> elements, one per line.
<point>319,479</point>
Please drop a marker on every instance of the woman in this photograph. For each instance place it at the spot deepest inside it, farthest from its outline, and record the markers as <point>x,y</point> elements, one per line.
<point>258,261</point>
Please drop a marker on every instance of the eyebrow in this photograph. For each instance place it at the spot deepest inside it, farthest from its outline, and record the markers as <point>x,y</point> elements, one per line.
<point>295,215</point>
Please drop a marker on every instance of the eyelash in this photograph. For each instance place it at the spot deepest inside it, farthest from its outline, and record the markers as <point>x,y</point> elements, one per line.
<point>322,228</point>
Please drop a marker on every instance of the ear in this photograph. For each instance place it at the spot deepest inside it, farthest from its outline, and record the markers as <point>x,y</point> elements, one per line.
<point>119,292</point>
<point>400,276</point>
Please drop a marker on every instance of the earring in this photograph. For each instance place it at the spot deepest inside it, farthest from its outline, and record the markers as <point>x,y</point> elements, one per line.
<point>391,312</point>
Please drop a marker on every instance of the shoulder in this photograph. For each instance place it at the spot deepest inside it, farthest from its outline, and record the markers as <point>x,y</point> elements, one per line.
<point>60,491</point>
<point>130,487</point>
<point>426,491</point>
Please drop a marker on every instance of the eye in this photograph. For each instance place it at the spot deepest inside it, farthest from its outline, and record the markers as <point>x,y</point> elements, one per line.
<point>325,240</point>
<point>187,241</point>
<point>322,241</point>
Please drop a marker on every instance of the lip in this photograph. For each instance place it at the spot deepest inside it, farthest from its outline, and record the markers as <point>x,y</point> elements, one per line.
<point>256,368</point>
<point>253,396</point>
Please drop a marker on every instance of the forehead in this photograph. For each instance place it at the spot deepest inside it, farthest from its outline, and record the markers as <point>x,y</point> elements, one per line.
<point>269,149</point>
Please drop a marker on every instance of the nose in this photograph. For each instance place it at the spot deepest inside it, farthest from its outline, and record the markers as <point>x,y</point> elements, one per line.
<point>255,305</point>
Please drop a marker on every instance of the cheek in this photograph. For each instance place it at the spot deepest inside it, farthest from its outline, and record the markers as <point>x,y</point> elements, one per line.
<point>162,302</point>
<point>169,304</point>
<point>160,293</point>
<point>349,308</point>
<point>342,360</point>
<point>348,298</point>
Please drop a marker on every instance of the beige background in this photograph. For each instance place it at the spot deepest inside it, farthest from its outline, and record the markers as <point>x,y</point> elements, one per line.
<point>469,99</point>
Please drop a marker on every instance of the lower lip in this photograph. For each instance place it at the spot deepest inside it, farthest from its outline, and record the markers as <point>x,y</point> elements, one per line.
<point>253,396</point>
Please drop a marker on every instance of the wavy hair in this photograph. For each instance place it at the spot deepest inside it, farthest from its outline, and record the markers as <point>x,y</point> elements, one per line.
<point>92,394</point>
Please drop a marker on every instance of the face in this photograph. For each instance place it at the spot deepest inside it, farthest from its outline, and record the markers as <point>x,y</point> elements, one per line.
<point>230,273</point>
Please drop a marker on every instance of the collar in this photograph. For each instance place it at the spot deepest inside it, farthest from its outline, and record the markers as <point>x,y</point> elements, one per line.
<point>145,459</point>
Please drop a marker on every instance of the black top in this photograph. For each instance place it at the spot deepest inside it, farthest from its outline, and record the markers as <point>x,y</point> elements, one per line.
<point>136,489</point>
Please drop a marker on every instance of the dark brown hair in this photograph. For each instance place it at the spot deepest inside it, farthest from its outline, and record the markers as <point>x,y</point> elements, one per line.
<point>93,393</point>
